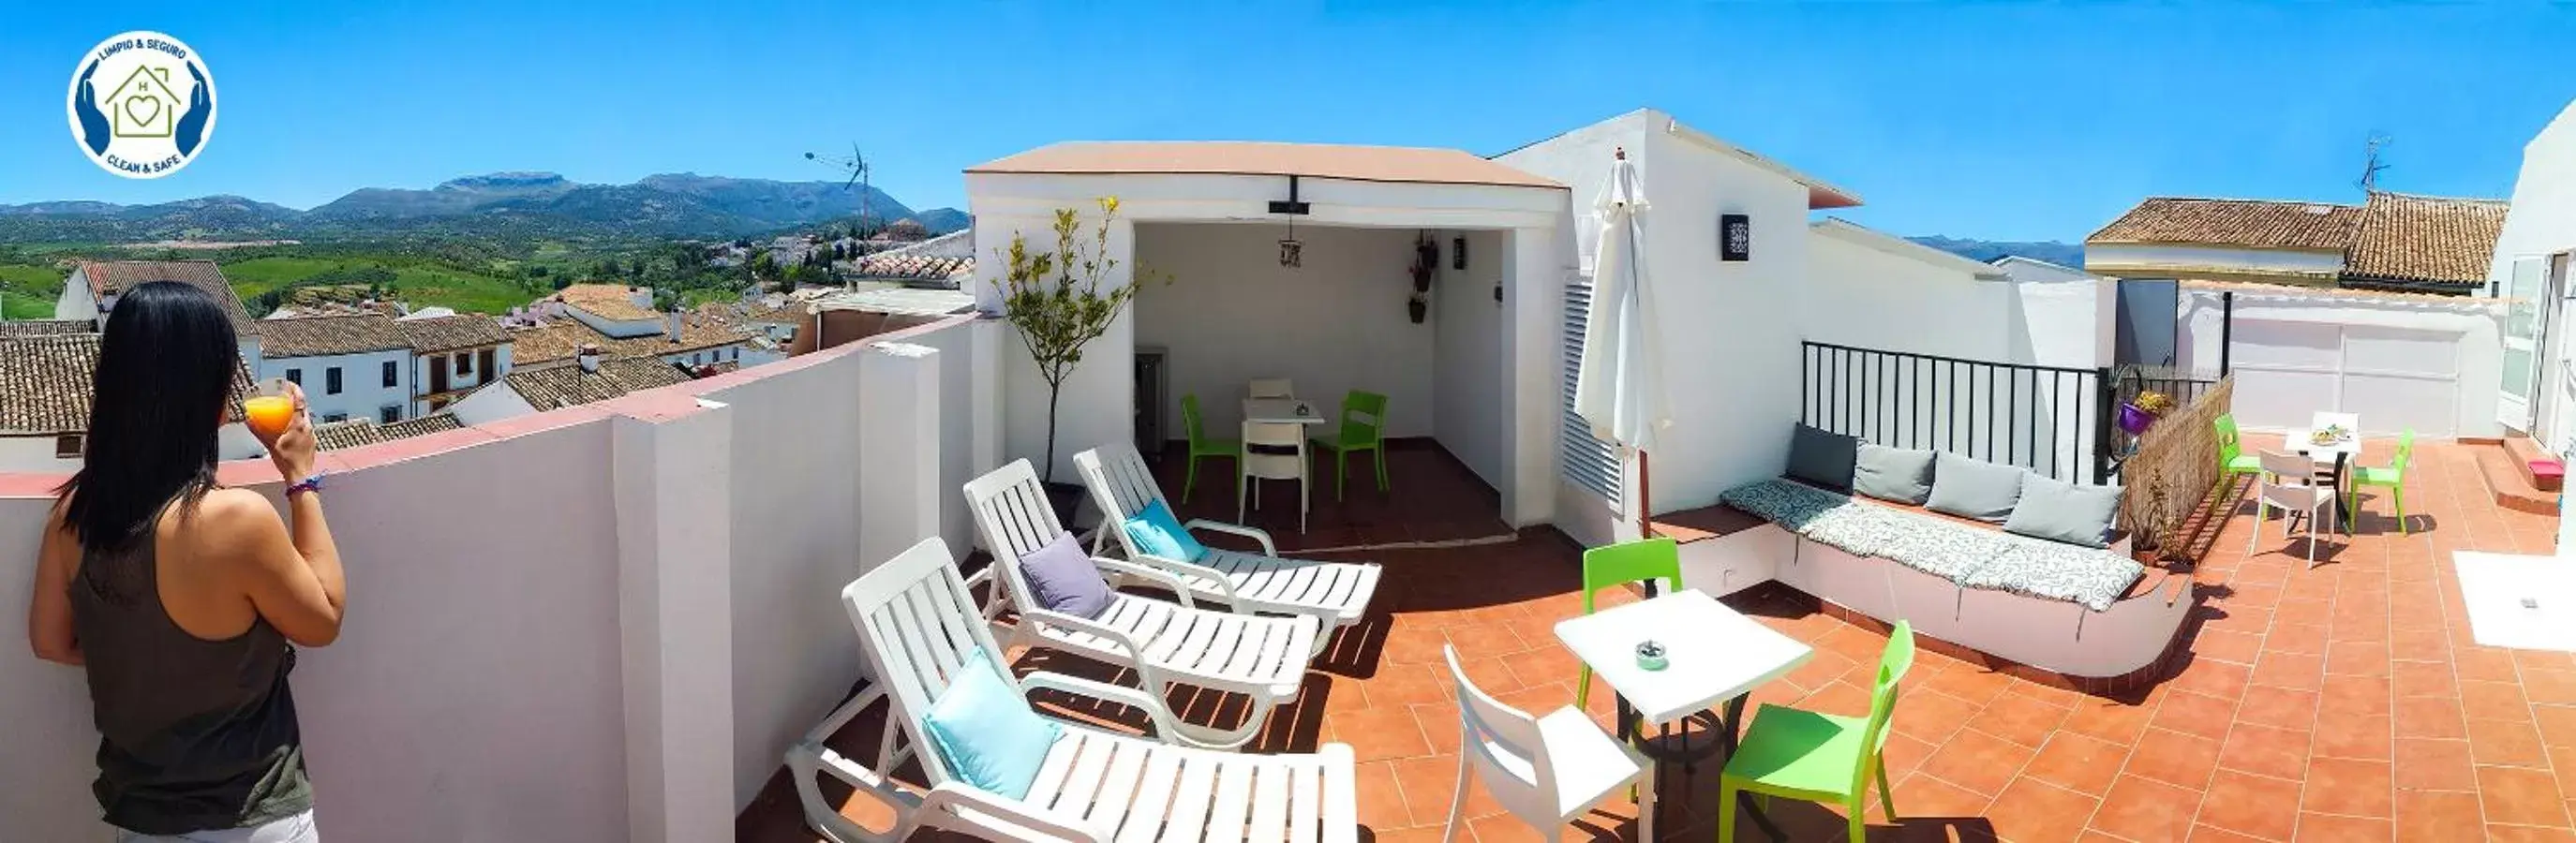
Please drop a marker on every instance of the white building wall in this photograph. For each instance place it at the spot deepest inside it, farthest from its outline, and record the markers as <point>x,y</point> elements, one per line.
<point>491,404</point>
<point>2291,331</point>
<point>2144,258</point>
<point>36,453</point>
<point>1867,297</point>
<point>1335,324</point>
<point>362,382</point>
<point>2542,222</point>
<point>1468,405</point>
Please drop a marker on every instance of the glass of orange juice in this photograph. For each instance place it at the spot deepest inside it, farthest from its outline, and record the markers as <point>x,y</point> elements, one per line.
<point>270,412</point>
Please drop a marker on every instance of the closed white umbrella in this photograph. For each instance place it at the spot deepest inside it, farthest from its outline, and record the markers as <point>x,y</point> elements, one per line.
<point>1619,389</point>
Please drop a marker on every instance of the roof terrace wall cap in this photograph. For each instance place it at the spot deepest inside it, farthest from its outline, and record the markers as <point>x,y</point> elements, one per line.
<point>1865,236</point>
<point>1401,164</point>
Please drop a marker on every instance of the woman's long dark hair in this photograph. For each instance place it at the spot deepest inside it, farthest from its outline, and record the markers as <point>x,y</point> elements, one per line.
<point>166,363</point>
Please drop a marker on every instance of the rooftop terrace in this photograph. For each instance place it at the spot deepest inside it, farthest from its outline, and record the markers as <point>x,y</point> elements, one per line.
<point>2345,702</point>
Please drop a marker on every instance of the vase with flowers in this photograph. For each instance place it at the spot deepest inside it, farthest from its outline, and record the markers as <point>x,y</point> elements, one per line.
<point>2141,412</point>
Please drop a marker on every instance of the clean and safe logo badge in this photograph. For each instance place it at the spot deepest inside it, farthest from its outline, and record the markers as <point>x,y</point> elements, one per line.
<point>142,105</point>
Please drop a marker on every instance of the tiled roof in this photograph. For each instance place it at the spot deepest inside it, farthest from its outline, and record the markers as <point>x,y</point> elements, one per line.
<point>202,275</point>
<point>47,327</point>
<point>2234,222</point>
<point>2404,237</point>
<point>45,383</point>
<point>1334,161</point>
<point>316,336</point>
<point>557,339</point>
<point>356,432</point>
<point>568,385</point>
<point>448,333</point>
<point>612,302</point>
<point>903,267</point>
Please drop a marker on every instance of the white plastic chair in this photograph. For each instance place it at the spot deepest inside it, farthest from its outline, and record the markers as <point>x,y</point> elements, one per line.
<point>1259,465</point>
<point>2291,481</point>
<point>1337,592</point>
<point>1270,388</point>
<point>1262,657</point>
<point>1544,770</point>
<point>917,623</point>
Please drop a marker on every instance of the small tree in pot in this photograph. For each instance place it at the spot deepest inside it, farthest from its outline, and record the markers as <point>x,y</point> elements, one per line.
<point>1057,301</point>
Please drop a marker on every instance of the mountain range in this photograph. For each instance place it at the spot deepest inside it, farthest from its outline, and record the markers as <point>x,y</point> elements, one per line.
<point>513,204</point>
<point>1987,251</point>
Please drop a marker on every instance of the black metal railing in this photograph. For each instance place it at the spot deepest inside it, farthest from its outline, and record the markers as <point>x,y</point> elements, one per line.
<point>2181,386</point>
<point>2053,420</point>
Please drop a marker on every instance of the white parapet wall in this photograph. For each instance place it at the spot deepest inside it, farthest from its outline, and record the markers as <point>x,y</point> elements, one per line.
<point>639,619</point>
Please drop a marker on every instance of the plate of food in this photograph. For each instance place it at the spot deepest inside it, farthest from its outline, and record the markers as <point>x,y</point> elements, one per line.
<point>2330,435</point>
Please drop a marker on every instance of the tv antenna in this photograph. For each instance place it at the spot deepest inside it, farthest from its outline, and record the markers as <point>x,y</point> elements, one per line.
<point>857,166</point>
<point>2370,166</point>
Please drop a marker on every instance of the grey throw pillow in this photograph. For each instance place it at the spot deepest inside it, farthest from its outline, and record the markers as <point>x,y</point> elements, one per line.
<point>1064,580</point>
<point>1823,458</point>
<point>1903,475</point>
<point>2060,511</point>
<point>1974,488</point>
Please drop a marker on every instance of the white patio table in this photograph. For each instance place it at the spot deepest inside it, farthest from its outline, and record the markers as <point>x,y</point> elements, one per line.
<point>1281,411</point>
<point>2339,453</point>
<point>1713,655</point>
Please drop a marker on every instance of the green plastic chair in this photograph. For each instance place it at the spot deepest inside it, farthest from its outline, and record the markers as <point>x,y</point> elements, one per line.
<point>1819,757</point>
<point>2232,458</point>
<point>1195,426</point>
<point>1363,429</point>
<point>1621,564</point>
<point>2392,478</point>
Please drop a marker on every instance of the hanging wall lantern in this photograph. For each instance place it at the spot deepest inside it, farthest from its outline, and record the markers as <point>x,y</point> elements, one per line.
<point>1735,237</point>
<point>1292,253</point>
<point>1458,253</point>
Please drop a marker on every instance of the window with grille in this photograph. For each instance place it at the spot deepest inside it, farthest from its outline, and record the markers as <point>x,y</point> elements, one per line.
<point>1590,463</point>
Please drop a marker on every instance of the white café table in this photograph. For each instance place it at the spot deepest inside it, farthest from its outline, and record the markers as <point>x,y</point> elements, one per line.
<point>1713,655</point>
<point>1281,411</point>
<point>2339,453</point>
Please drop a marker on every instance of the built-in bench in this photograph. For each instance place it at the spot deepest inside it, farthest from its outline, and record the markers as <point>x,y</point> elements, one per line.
<point>2087,618</point>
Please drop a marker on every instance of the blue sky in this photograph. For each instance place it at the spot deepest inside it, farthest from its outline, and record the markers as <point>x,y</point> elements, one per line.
<point>1994,121</point>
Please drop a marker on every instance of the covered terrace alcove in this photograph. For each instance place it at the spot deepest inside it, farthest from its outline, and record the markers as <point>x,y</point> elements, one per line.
<point>1476,378</point>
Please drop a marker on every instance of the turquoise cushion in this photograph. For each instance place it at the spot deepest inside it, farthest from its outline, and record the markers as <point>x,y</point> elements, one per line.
<point>986,732</point>
<point>1157,532</point>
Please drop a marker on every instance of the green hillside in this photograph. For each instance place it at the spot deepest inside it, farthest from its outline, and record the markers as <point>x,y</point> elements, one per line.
<point>418,283</point>
<point>28,291</point>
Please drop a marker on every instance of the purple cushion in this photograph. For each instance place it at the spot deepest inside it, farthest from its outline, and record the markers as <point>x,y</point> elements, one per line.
<point>1063,579</point>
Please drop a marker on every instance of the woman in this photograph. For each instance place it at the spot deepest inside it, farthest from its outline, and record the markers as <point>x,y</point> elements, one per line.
<point>179,596</point>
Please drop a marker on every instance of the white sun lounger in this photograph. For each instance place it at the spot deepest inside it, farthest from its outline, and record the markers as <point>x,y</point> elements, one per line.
<point>1262,657</point>
<point>918,623</point>
<point>1336,592</point>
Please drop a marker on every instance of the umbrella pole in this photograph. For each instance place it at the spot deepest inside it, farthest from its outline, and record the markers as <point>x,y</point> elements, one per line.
<point>1645,513</point>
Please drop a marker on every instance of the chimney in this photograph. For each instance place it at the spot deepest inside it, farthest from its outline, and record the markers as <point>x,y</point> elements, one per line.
<point>671,325</point>
<point>589,357</point>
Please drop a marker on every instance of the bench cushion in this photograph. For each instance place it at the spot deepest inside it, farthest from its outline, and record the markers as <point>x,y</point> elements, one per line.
<point>1970,555</point>
<point>1903,475</point>
<point>2056,510</point>
<point>2041,568</point>
<point>1974,488</point>
<point>1823,458</point>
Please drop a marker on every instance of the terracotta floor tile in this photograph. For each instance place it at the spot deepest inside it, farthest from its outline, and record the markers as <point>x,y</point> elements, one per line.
<point>2295,637</point>
<point>2436,816</point>
<point>2255,806</point>
<point>2214,834</point>
<point>2297,671</point>
<point>2228,646</point>
<point>2021,719</point>
<point>1925,795</point>
<point>2494,701</point>
<point>2521,797</point>
<point>1930,716</point>
<point>2030,811</point>
<point>2215,678</point>
<point>2356,696</point>
<point>2329,828</point>
<point>1381,801</point>
<point>2423,679</point>
<point>2434,764</point>
<point>2174,758</point>
<point>1972,685</point>
<point>2430,717</point>
<point>2142,809</point>
<point>2487,663</point>
<point>1544,666</point>
<point>2528,834</point>
<point>2550,686</point>
<point>1379,733</point>
<point>2557,724</point>
<point>2194,714</point>
<point>2112,721</point>
<point>2365,738</point>
<point>2268,706</point>
<point>1978,761</point>
<point>1428,782</point>
<point>2082,764</point>
<point>2279,753</point>
<point>2344,786</point>
<point>2419,645</point>
<point>2510,743</point>
<point>2353,658</point>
